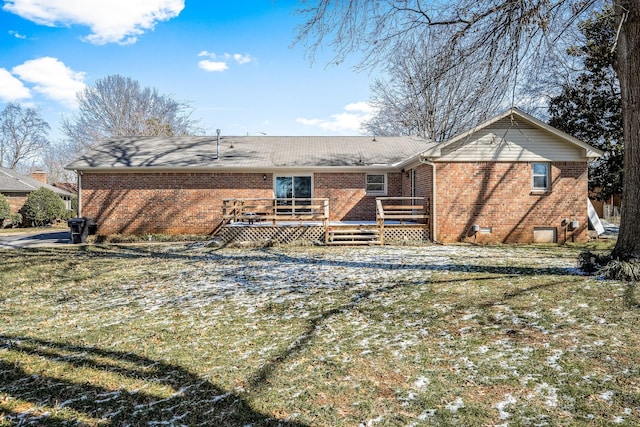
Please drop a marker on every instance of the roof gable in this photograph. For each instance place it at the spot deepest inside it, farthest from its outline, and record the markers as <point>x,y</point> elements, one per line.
<point>513,136</point>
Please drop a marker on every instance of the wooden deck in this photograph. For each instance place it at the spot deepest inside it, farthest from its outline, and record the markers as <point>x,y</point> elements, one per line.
<point>398,220</point>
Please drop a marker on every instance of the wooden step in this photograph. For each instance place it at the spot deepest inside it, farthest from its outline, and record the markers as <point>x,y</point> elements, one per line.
<point>355,243</point>
<point>353,231</point>
<point>354,236</point>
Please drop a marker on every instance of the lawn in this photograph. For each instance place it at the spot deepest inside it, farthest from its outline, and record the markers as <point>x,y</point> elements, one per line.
<point>309,336</point>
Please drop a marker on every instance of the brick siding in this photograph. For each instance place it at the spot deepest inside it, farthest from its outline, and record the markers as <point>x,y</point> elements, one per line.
<point>186,203</point>
<point>347,196</point>
<point>16,201</point>
<point>171,203</point>
<point>500,196</point>
<point>489,194</point>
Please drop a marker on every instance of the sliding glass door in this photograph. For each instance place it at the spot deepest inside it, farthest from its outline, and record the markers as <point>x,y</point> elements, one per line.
<point>293,187</point>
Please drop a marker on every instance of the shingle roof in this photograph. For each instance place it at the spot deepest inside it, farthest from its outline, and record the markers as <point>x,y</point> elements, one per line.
<point>251,152</point>
<point>13,182</point>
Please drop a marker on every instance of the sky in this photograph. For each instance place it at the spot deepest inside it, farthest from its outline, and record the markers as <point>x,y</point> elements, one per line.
<point>232,61</point>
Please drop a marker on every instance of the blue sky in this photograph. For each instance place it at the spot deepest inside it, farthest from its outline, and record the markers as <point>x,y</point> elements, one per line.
<point>231,60</point>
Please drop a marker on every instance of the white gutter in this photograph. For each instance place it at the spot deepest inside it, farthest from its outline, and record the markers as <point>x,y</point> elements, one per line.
<point>434,226</point>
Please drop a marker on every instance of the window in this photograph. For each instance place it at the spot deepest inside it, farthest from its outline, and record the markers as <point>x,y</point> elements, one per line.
<point>540,176</point>
<point>376,183</point>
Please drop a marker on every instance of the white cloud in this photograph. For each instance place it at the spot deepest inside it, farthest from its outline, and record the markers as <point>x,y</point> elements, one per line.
<point>209,65</point>
<point>52,78</point>
<point>221,62</point>
<point>242,59</point>
<point>362,107</point>
<point>17,35</point>
<point>348,122</point>
<point>12,89</point>
<point>309,122</point>
<point>114,21</point>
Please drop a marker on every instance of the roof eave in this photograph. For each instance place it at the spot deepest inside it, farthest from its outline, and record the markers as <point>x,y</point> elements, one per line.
<point>244,169</point>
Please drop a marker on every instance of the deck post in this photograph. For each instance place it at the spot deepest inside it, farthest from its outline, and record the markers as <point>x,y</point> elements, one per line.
<point>380,219</point>
<point>275,211</point>
<point>325,202</point>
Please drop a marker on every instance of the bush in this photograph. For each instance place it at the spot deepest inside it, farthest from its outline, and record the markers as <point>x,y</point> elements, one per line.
<point>74,205</point>
<point>43,206</point>
<point>68,214</point>
<point>4,208</point>
<point>16,219</point>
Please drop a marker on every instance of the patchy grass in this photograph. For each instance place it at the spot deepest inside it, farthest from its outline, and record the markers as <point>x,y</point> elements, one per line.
<point>143,238</point>
<point>437,335</point>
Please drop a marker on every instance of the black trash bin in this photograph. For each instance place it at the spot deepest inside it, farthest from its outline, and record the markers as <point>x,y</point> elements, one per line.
<point>78,229</point>
<point>91,225</point>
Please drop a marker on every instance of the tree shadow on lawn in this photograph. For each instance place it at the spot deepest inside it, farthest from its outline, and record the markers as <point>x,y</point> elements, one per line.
<point>48,255</point>
<point>63,260</point>
<point>261,378</point>
<point>265,254</point>
<point>507,271</point>
<point>195,401</point>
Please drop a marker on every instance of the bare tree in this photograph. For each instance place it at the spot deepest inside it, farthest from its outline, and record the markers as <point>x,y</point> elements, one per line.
<point>425,95</point>
<point>56,157</point>
<point>23,134</point>
<point>508,35</point>
<point>119,106</point>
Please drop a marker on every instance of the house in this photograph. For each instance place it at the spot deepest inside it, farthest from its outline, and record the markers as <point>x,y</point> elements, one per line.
<point>16,187</point>
<point>512,179</point>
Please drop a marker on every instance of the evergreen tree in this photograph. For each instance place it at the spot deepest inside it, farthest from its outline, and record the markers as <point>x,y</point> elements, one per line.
<point>590,107</point>
<point>43,206</point>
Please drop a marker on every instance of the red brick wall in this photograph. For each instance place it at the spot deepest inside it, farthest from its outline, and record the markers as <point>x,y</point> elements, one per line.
<point>16,201</point>
<point>348,200</point>
<point>499,195</point>
<point>185,203</point>
<point>178,203</point>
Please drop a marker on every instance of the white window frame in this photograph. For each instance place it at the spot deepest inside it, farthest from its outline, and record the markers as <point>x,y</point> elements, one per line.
<point>383,191</point>
<point>547,176</point>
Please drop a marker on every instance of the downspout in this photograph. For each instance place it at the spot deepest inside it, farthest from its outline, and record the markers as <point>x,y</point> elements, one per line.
<point>79,182</point>
<point>434,223</point>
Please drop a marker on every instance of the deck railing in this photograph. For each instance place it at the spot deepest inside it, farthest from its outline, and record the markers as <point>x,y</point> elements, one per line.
<point>276,210</point>
<point>405,210</point>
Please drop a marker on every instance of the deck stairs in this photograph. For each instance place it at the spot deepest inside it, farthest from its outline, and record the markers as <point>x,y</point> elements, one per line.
<point>352,235</point>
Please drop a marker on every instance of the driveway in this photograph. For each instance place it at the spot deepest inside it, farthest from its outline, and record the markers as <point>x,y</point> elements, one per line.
<point>34,239</point>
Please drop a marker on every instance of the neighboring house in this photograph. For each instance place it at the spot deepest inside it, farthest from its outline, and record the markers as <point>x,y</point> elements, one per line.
<point>511,179</point>
<point>69,187</point>
<point>16,187</point>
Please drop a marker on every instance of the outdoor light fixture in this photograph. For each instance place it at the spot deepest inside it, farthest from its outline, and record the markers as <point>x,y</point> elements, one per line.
<point>264,177</point>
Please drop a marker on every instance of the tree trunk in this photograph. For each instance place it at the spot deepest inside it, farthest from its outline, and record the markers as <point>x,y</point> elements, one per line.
<point>628,70</point>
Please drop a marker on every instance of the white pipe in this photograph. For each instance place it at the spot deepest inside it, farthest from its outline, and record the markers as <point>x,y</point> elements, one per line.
<point>218,144</point>
<point>79,181</point>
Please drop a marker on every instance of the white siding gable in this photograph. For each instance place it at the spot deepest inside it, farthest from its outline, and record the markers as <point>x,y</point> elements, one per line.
<point>517,143</point>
